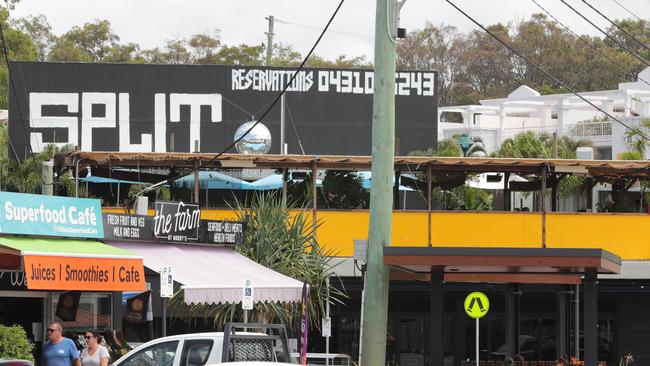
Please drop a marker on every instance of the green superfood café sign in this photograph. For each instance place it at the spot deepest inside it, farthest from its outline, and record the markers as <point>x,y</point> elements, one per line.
<point>33,214</point>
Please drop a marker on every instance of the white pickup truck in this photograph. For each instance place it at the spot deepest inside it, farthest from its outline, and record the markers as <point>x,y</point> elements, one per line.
<point>200,349</point>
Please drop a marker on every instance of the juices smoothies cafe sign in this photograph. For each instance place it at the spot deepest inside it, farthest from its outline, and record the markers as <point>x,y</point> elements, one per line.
<point>32,214</point>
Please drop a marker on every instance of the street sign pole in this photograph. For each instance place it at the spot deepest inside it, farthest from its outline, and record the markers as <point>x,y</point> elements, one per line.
<point>477,306</point>
<point>163,316</point>
<point>166,291</point>
<point>477,338</point>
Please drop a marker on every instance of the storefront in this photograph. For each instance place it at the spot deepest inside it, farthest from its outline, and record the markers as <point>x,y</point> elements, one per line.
<point>53,268</point>
<point>203,261</point>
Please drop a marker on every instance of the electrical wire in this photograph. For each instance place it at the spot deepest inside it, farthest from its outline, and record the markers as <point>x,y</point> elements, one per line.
<point>238,107</point>
<point>616,25</point>
<point>626,9</point>
<point>266,112</point>
<point>294,126</point>
<point>627,71</point>
<point>607,34</point>
<point>539,68</point>
<point>366,37</point>
<point>20,111</point>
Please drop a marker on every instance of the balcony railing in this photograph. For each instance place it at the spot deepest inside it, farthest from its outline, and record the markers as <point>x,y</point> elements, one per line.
<point>594,131</point>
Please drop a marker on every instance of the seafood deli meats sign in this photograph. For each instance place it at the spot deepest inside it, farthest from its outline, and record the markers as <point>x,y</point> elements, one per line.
<point>164,108</point>
<point>31,214</point>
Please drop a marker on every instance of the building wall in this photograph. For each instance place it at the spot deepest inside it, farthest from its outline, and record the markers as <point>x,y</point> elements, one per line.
<point>626,235</point>
<point>633,327</point>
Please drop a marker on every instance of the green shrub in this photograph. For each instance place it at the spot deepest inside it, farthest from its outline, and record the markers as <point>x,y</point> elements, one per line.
<point>14,343</point>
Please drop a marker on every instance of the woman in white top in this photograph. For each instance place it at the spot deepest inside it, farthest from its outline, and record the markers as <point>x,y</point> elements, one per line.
<point>94,354</point>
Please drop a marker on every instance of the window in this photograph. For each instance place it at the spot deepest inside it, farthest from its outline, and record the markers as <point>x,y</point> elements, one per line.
<point>161,354</point>
<point>196,352</point>
<point>92,312</point>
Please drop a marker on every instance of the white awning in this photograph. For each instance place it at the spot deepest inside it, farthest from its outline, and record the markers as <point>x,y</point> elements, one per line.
<point>215,275</point>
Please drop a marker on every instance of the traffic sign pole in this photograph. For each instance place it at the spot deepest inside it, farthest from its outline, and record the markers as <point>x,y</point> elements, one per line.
<point>477,338</point>
<point>477,306</point>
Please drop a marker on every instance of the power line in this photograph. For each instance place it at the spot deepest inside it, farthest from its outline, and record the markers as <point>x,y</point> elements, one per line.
<point>238,107</point>
<point>626,9</point>
<point>616,25</point>
<point>627,71</point>
<point>294,126</point>
<point>607,34</point>
<point>266,112</point>
<point>20,111</point>
<point>643,135</point>
<point>362,36</point>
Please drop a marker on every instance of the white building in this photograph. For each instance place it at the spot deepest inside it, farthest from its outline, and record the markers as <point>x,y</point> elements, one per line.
<point>495,120</point>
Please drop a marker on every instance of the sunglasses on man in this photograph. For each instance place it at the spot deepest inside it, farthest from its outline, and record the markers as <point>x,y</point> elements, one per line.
<point>50,330</point>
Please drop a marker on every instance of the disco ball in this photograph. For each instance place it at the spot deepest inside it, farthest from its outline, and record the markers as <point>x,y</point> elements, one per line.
<point>258,141</point>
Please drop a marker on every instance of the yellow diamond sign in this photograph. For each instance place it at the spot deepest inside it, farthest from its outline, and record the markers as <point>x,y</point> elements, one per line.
<point>477,305</point>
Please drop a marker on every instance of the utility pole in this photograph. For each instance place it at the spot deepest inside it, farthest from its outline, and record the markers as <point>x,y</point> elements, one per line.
<point>375,309</point>
<point>269,43</point>
<point>47,172</point>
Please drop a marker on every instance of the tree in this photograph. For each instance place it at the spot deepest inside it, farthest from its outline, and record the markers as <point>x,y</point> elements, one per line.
<point>284,242</point>
<point>525,145</point>
<point>447,147</point>
<point>466,198</point>
<point>359,62</point>
<point>92,42</point>
<point>20,47</point>
<point>203,47</point>
<point>540,146</point>
<point>344,190</point>
<point>39,30</point>
<point>638,139</point>
<point>243,54</point>
<point>639,29</point>
<point>25,176</point>
<point>437,48</point>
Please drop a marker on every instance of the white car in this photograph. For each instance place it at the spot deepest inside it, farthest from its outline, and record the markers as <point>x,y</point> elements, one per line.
<point>200,349</point>
<point>258,363</point>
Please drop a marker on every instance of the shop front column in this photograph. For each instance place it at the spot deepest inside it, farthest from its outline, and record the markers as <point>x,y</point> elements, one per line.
<point>459,332</point>
<point>562,331</point>
<point>512,319</point>
<point>590,286</point>
<point>118,311</point>
<point>437,317</point>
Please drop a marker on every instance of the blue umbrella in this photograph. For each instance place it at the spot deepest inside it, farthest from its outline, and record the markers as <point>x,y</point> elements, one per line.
<point>274,181</point>
<point>213,180</point>
<point>100,180</point>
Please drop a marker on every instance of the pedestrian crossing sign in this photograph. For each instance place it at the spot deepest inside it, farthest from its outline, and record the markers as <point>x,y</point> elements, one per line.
<point>477,305</point>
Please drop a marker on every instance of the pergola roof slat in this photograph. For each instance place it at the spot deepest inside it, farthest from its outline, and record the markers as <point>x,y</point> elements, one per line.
<point>612,168</point>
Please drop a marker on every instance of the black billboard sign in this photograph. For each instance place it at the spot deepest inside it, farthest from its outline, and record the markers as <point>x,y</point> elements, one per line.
<point>130,227</point>
<point>222,232</point>
<point>173,222</point>
<point>177,221</point>
<point>161,108</point>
